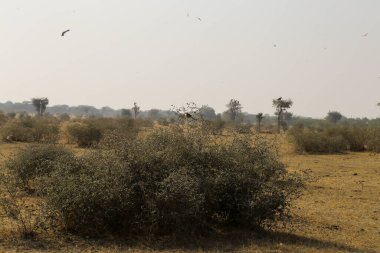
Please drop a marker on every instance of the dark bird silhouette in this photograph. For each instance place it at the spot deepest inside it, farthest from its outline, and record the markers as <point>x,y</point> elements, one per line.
<point>365,35</point>
<point>199,19</point>
<point>188,115</point>
<point>279,98</point>
<point>63,34</point>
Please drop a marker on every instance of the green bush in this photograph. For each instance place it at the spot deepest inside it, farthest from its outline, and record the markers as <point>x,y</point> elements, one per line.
<point>91,131</point>
<point>37,160</point>
<point>373,143</point>
<point>330,139</point>
<point>84,135</point>
<point>215,126</point>
<point>64,117</point>
<point>28,129</point>
<point>170,181</point>
<point>356,137</point>
<point>163,121</point>
<point>244,128</point>
<point>143,123</point>
<point>3,118</point>
<point>307,140</point>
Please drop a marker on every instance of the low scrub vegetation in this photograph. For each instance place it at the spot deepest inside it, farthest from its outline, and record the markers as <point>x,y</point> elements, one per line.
<point>86,133</point>
<point>333,139</point>
<point>37,160</point>
<point>28,129</point>
<point>373,144</point>
<point>170,181</point>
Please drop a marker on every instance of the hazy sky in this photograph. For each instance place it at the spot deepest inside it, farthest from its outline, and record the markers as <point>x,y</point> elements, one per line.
<point>152,52</point>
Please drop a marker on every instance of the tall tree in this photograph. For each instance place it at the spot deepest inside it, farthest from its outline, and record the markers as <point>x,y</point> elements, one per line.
<point>259,118</point>
<point>40,105</point>
<point>136,109</point>
<point>207,112</point>
<point>281,107</point>
<point>334,116</point>
<point>234,109</point>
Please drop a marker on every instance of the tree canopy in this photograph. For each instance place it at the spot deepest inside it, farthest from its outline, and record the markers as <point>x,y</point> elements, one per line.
<point>40,105</point>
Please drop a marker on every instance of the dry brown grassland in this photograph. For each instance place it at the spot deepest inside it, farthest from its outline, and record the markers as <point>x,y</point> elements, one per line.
<point>339,212</point>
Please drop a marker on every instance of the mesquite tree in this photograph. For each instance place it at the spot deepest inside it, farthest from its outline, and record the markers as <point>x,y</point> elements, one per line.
<point>334,116</point>
<point>259,118</point>
<point>234,109</point>
<point>281,107</point>
<point>40,105</point>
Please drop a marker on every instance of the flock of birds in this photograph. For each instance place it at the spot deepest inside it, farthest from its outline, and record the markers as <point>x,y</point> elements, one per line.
<point>200,19</point>
<point>66,31</point>
<point>188,15</point>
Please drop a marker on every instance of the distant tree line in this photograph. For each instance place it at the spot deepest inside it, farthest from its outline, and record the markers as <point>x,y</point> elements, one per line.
<point>282,118</point>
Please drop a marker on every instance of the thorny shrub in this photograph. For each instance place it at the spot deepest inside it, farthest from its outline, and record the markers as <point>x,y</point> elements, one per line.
<point>171,181</point>
<point>28,129</point>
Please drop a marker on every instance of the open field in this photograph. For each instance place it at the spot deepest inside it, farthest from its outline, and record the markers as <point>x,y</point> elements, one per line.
<point>339,212</point>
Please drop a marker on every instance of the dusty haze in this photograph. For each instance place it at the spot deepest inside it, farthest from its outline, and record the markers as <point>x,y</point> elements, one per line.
<point>159,53</point>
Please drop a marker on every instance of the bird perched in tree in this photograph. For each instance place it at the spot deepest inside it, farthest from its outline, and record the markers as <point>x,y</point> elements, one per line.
<point>63,33</point>
<point>279,98</point>
<point>188,115</point>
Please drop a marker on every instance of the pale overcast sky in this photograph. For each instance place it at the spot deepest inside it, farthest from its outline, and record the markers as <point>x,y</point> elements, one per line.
<point>158,53</point>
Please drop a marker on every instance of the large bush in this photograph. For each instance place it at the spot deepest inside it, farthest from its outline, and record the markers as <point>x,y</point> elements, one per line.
<point>84,135</point>
<point>3,118</point>
<point>170,181</point>
<point>307,140</point>
<point>37,160</point>
<point>373,143</point>
<point>332,139</point>
<point>28,129</point>
<point>91,131</point>
<point>356,137</point>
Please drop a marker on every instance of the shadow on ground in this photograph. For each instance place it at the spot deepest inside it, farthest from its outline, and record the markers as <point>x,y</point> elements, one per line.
<point>222,242</point>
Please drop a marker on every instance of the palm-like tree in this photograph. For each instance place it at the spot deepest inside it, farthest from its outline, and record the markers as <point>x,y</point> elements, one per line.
<point>259,118</point>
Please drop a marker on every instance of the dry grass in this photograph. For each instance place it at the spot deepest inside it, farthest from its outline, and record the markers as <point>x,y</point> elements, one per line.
<point>339,212</point>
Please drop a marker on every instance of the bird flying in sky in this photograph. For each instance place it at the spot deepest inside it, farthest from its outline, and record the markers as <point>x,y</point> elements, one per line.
<point>63,33</point>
